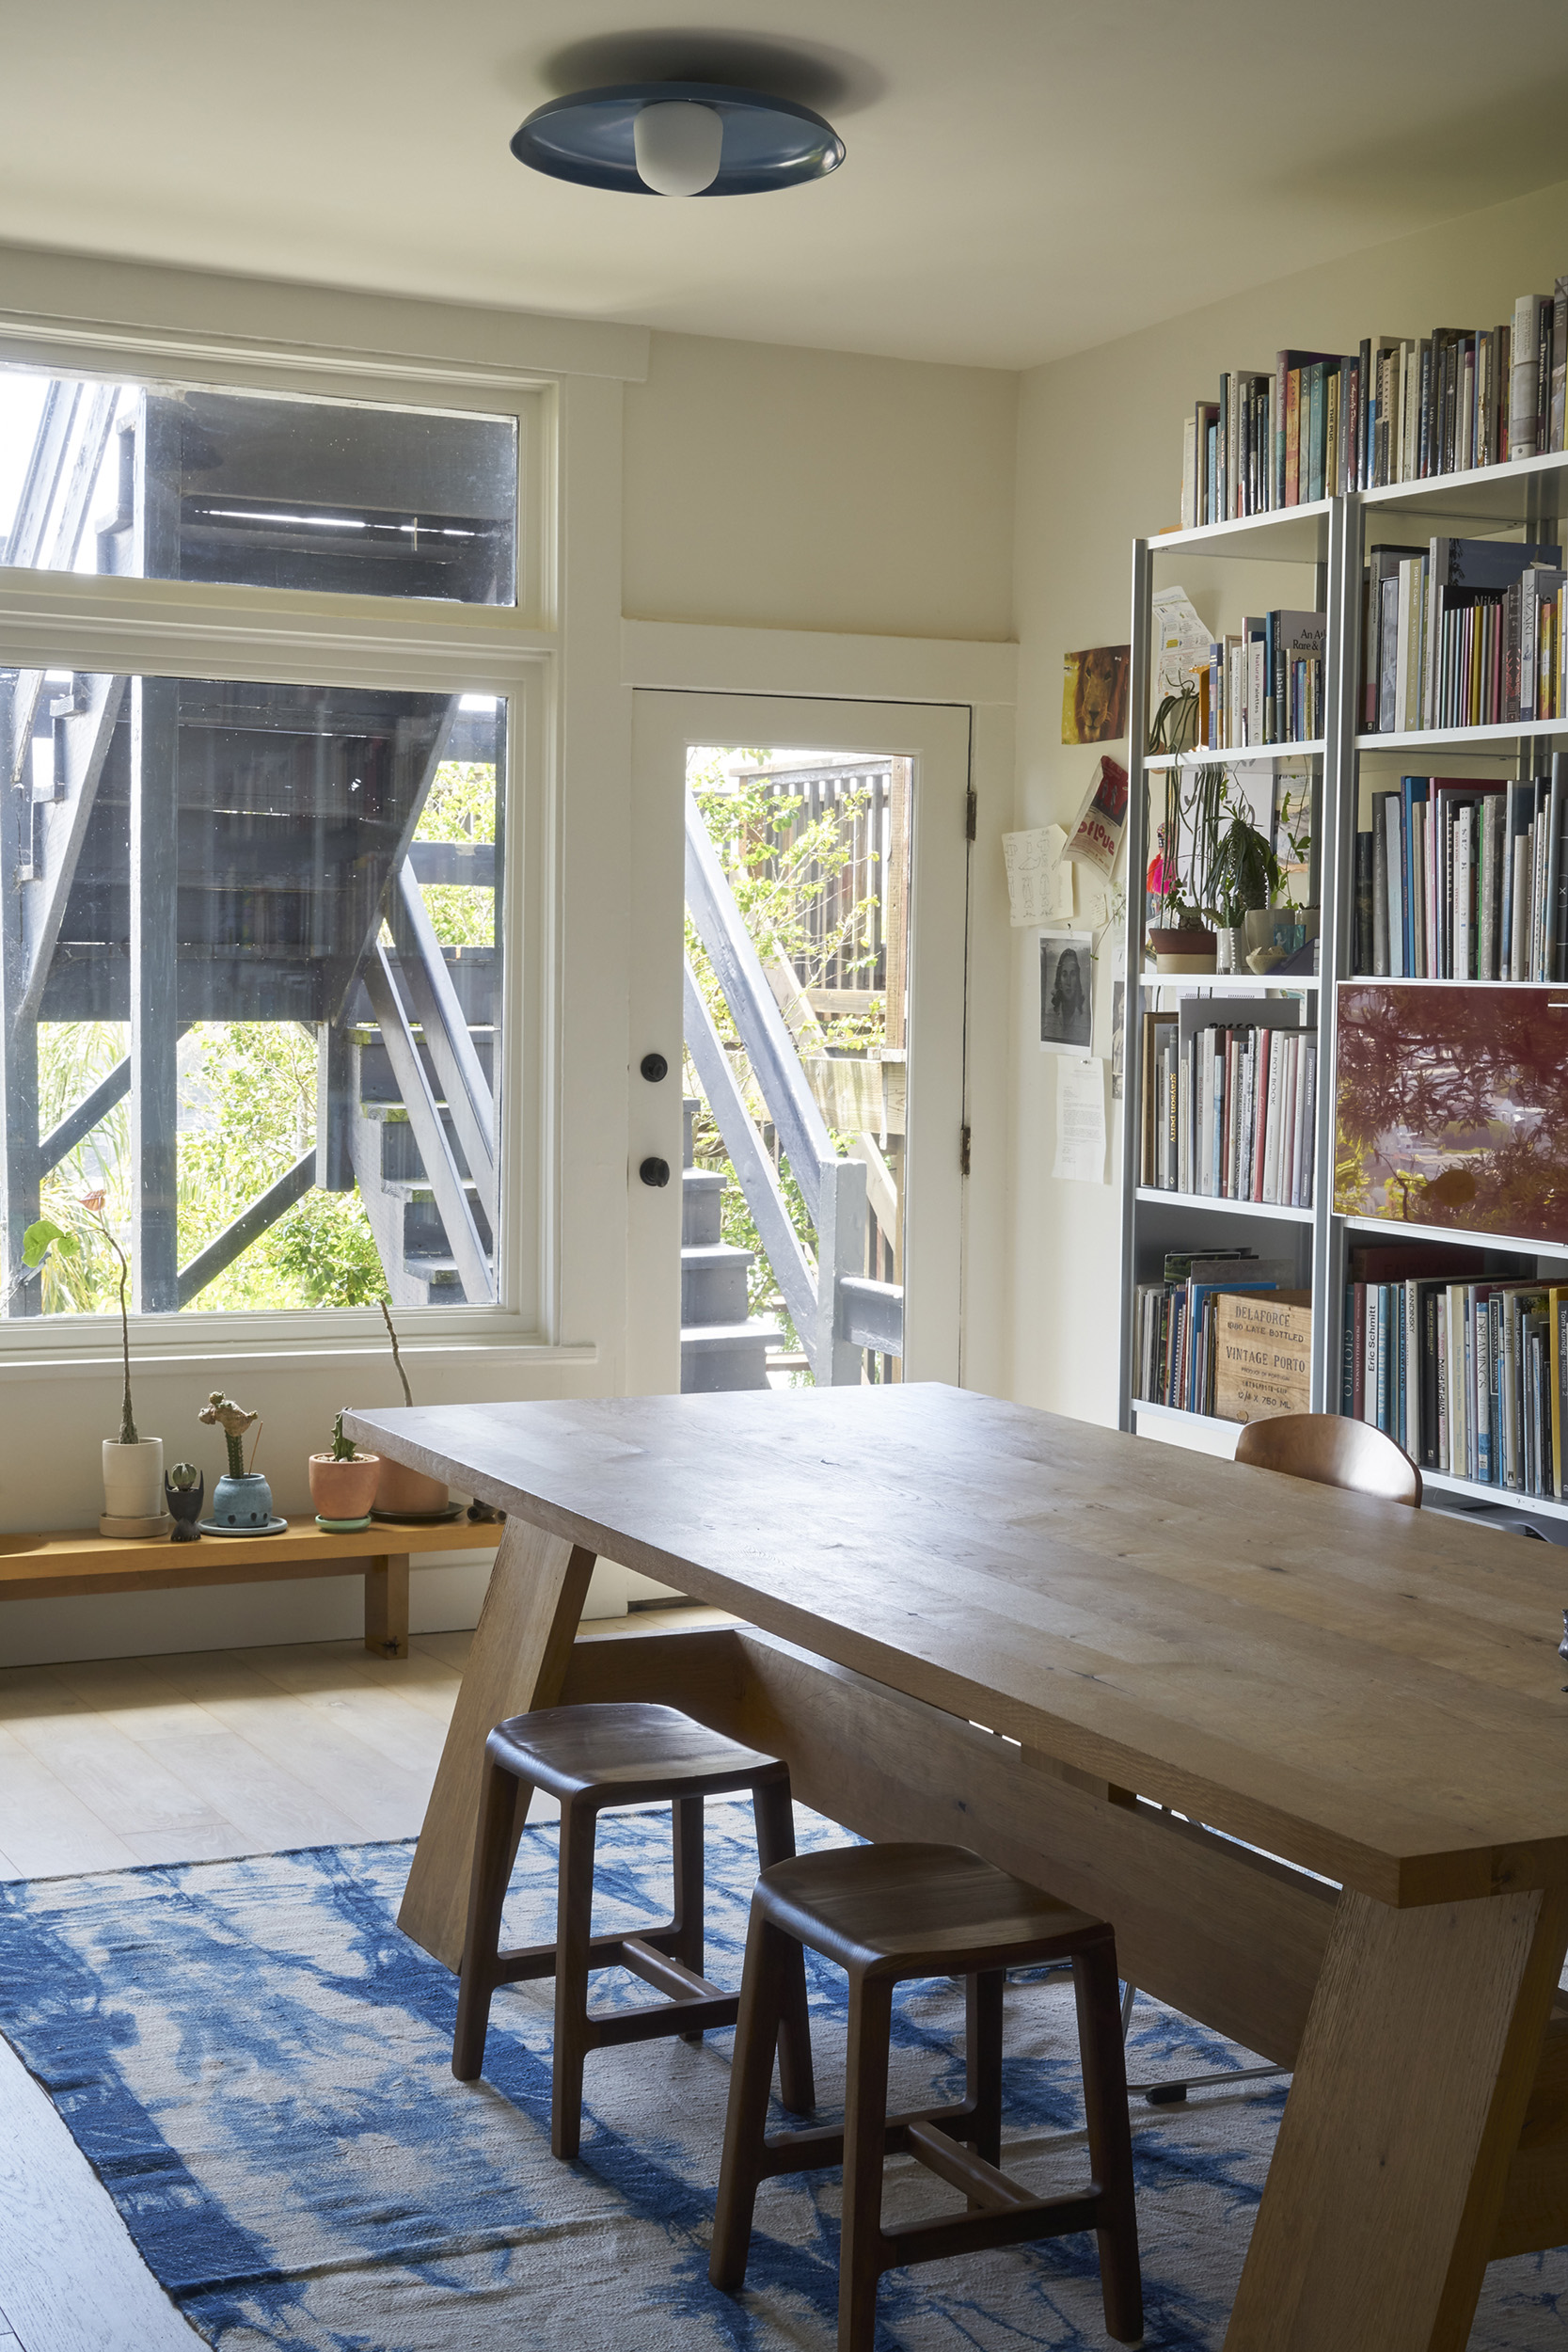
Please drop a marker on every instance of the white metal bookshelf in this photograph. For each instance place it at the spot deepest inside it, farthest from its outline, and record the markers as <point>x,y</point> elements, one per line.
<point>1326,536</point>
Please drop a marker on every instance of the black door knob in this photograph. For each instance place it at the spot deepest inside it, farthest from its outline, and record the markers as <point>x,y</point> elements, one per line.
<point>655,1171</point>
<point>653,1067</point>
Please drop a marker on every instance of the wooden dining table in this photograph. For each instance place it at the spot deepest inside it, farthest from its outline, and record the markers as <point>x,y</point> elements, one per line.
<point>1307,1752</point>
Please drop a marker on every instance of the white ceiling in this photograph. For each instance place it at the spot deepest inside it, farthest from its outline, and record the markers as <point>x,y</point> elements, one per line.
<point>1024,177</point>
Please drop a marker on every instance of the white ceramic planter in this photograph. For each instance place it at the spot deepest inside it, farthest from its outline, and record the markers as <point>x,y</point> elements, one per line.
<point>134,1479</point>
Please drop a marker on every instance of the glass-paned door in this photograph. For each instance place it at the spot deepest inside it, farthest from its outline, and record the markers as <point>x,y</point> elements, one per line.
<point>812,883</point>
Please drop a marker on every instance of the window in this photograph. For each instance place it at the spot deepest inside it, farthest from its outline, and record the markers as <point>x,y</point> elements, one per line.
<point>254,978</point>
<point>177,481</point>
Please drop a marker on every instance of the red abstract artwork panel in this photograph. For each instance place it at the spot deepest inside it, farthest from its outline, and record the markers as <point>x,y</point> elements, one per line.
<point>1452,1107</point>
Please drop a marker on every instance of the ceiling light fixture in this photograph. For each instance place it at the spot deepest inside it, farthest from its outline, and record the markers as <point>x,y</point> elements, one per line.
<point>678,139</point>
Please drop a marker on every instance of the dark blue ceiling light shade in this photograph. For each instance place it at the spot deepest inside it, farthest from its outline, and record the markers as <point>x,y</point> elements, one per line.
<point>592,138</point>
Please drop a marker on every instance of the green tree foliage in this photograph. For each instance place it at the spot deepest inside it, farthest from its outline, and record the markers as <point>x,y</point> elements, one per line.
<point>461,807</point>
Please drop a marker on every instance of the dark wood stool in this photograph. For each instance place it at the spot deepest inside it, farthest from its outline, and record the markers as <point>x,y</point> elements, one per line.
<point>885,1914</point>
<point>589,1758</point>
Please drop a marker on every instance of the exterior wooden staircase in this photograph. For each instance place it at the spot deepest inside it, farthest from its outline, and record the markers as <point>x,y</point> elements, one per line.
<point>722,1346</point>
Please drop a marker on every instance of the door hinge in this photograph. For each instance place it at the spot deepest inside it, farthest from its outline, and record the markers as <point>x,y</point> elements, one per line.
<point>972,814</point>
<point>963,1151</point>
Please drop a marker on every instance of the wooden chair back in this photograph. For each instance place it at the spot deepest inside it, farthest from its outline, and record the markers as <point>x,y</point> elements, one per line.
<point>1335,1451</point>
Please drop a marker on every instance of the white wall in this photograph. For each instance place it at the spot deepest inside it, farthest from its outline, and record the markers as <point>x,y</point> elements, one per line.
<point>1100,461</point>
<point>819,491</point>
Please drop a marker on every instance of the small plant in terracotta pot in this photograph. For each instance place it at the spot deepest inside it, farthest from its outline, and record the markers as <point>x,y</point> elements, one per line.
<point>401,1492</point>
<point>344,1483</point>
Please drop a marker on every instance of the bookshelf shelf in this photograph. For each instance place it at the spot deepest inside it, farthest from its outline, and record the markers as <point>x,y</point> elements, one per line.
<point>1501,742</point>
<point>1235,756</point>
<point>1500,1498</point>
<point>1286,534</point>
<point>1385,1228</point>
<point>1271,1209</point>
<point>1178,1414</point>
<point>1503,497</point>
<point>1231,983</point>
<point>1415,980</point>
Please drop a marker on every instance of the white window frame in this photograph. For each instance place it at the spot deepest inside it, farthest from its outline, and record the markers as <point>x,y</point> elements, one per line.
<point>177,629</point>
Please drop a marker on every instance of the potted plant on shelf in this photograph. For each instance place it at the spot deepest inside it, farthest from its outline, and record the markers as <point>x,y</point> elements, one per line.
<point>133,1465</point>
<point>344,1483</point>
<point>1243,878</point>
<point>403,1493</point>
<point>1180,938</point>
<point>242,1500</point>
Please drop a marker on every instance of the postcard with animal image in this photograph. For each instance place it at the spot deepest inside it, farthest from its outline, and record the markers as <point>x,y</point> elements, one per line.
<point>1094,694</point>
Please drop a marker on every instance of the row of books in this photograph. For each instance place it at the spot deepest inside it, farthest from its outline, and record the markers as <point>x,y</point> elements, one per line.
<point>1466,1375</point>
<point>1401,409</point>
<point>1264,685</point>
<point>1466,878</point>
<point>1230,1098</point>
<point>1224,1334</point>
<point>1463,633</point>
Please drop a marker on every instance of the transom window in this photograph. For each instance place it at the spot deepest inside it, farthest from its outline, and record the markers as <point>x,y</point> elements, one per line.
<point>182,482</point>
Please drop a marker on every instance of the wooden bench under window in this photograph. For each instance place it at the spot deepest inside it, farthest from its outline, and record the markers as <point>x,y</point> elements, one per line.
<point>41,1567</point>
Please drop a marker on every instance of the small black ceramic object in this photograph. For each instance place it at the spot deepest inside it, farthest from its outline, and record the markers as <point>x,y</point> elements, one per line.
<point>653,1067</point>
<point>184,1501</point>
<point>653,1171</point>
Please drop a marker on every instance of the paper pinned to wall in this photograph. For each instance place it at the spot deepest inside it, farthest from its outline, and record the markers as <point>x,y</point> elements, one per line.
<point>1097,829</point>
<point>1040,883</point>
<point>1180,639</point>
<point>1079,1121</point>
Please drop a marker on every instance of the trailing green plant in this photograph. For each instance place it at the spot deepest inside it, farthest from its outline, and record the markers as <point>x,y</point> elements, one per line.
<point>221,1412</point>
<point>1233,867</point>
<point>1174,727</point>
<point>343,1445</point>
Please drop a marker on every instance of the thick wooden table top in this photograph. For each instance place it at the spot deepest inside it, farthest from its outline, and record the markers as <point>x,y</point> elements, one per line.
<point>1372,1691</point>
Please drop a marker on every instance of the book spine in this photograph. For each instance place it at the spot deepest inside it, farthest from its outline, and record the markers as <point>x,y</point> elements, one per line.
<point>1394,865</point>
<point>1440,1357</point>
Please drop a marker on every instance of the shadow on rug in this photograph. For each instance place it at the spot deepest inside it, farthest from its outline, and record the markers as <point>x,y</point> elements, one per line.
<point>255,2064</point>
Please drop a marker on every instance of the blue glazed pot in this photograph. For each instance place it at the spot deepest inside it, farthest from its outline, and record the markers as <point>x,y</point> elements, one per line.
<point>244,1501</point>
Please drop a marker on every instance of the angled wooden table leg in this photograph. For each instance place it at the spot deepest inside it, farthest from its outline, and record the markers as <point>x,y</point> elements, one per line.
<point>386,1605</point>
<point>1381,2202</point>
<point>518,1660</point>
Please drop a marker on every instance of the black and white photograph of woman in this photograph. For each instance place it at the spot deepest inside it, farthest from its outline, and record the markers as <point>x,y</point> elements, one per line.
<point>1066,992</point>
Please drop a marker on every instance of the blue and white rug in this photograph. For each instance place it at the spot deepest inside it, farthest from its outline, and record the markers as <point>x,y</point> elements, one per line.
<point>257,2065</point>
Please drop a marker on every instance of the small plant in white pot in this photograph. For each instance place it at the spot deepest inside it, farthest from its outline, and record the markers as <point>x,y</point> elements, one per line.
<point>133,1465</point>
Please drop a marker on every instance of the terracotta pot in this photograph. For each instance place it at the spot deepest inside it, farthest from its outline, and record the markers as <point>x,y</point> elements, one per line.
<point>402,1489</point>
<point>1184,951</point>
<point>343,1490</point>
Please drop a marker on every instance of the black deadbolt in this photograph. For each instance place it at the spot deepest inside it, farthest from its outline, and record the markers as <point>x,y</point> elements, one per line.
<point>655,1171</point>
<point>653,1067</point>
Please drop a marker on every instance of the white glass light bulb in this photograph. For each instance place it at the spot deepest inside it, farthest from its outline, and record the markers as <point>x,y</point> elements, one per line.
<point>678,145</point>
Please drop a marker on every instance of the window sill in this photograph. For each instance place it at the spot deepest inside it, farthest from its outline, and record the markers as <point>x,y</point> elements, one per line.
<point>185,1358</point>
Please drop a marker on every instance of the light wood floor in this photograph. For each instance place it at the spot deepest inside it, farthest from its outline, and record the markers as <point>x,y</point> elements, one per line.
<point>211,1753</point>
<point>188,1759</point>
